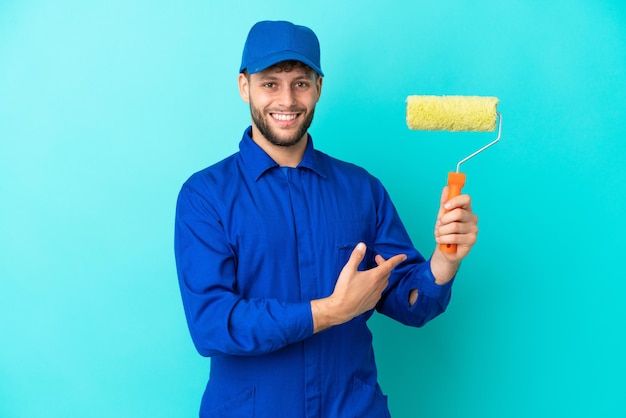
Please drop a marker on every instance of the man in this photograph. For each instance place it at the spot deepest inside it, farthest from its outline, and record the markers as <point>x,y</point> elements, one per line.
<point>283,253</point>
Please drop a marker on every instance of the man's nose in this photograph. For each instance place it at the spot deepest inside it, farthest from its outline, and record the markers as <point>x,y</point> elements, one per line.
<point>287,97</point>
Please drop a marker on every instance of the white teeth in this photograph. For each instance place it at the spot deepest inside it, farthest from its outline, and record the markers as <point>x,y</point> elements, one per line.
<point>281,116</point>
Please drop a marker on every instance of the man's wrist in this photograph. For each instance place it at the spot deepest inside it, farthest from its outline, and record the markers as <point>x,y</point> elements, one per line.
<point>321,311</point>
<point>443,269</point>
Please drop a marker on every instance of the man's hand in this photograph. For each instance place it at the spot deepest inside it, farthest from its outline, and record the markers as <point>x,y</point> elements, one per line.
<point>355,292</point>
<point>456,224</point>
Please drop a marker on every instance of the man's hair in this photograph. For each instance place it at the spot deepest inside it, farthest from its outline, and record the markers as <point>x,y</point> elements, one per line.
<point>287,66</point>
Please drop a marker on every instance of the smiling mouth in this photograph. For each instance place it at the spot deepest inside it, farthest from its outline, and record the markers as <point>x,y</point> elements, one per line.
<point>284,116</point>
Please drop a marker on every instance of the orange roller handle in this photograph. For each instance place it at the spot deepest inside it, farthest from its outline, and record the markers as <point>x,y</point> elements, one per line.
<point>456,181</point>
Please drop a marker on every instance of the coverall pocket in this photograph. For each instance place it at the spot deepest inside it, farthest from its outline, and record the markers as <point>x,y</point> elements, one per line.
<point>241,405</point>
<point>369,401</point>
<point>343,255</point>
<point>347,234</point>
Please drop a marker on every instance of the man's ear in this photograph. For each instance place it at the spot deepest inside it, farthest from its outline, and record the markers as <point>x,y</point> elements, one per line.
<point>319,87</point>
<point>244,87</point>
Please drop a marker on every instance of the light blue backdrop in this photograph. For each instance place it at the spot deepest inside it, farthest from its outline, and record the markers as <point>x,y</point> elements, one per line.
<point>106,107</point>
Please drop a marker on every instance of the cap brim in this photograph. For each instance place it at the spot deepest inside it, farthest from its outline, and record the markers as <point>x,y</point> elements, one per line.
<point>266,62</point>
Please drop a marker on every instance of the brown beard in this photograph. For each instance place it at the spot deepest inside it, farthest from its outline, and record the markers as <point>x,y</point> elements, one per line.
<point>266,131</point>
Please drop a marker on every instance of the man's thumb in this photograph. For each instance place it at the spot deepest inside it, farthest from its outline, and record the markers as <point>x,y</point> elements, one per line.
<point>357,255</point>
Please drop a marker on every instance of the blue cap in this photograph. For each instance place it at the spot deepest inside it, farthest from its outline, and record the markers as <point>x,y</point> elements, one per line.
<point>271,42</point>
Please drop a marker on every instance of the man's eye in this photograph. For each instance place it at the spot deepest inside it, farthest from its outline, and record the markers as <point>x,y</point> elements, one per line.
<point>269,85</point>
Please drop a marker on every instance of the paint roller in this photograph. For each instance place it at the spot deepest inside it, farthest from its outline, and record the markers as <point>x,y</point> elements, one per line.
<point>455,114</point>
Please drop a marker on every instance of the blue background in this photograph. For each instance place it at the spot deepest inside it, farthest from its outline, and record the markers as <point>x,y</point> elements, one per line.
<point>106,107</point>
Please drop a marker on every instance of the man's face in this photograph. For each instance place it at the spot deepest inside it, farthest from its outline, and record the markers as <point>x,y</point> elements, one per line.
<point>282,103</point>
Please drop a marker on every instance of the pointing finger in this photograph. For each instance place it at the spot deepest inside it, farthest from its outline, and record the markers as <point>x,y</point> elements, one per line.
<point>390,263</point>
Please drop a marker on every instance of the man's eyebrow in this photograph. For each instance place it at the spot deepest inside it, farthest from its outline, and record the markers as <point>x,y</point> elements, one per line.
<point>264,77</point>
<point>272,77</point>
